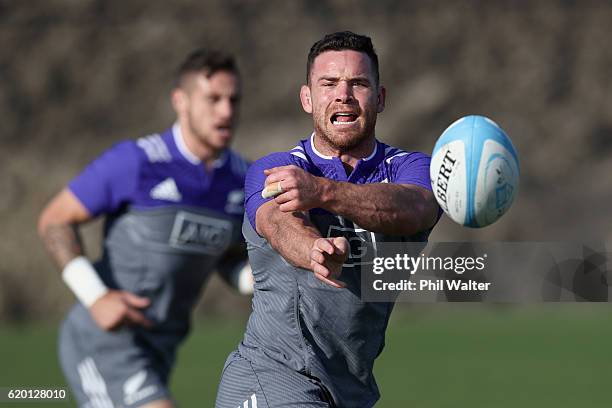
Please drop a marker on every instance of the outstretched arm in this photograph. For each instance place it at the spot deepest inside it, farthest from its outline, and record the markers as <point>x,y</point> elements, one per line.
<point>394,209</point>
<point>58,229</point>
<point>300,243</point>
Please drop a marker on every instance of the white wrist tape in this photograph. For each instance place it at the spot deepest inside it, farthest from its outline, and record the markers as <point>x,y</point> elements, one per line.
<point>245,280</point>
<point>81,277</point>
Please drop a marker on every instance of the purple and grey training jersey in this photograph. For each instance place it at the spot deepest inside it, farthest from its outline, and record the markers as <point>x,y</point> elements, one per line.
<point>169,221</point>
<point>159,171</point>
<point>316,329</point>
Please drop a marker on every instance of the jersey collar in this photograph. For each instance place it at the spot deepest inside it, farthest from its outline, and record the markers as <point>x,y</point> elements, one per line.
<point>181,146</point>
<point>320,155</point>
<point>364,166</point>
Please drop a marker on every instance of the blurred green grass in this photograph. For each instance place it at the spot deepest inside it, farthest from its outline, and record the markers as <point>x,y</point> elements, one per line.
<point>554,356</point>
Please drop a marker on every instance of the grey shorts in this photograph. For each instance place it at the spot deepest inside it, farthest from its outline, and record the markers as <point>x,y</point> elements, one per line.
<point>109,369</point>
<point>246,384</point>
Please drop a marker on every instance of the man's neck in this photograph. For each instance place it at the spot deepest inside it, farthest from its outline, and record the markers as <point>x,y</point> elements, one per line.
<point>349,157</point>
<point>196,148</point>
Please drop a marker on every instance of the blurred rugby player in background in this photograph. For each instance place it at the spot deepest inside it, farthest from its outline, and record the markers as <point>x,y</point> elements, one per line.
<point>173,204</point>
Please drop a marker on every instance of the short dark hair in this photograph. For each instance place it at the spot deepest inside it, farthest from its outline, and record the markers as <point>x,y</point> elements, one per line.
<point>206,61</point>
<point>343,40</point>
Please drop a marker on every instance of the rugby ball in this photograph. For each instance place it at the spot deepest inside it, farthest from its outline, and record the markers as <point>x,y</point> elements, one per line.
<point>474,171</point>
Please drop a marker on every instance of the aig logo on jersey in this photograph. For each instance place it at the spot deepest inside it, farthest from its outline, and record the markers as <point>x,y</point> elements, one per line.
<point>200,234</point>
<point>362,242</point>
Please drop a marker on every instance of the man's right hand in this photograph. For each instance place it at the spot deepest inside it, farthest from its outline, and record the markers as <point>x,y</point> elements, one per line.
<point>326,259</point>
<point>118,307</point>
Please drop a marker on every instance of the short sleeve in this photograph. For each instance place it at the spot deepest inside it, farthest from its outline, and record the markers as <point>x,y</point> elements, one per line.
<point>255,180</point>
<point>411,168</point>
<point>109,181</point>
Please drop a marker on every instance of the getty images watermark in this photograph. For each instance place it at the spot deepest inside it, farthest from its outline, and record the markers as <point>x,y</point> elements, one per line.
<point>407,264</point>
<point>513,272</point>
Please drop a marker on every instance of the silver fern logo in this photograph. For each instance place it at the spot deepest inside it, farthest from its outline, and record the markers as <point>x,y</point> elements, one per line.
<point>133,390</point>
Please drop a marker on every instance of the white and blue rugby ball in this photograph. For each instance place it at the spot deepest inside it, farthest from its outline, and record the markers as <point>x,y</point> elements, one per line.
<point>474,171</point>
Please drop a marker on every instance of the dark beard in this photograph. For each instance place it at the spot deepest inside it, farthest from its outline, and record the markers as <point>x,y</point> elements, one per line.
<point>346,145</point>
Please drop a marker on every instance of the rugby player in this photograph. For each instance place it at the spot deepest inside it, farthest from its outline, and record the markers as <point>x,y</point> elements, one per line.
<point>173,204</point>
<point>310,340</point>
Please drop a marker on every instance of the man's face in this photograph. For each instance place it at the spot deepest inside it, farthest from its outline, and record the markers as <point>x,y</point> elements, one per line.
<point>343,97</point>
<point>209,107</point>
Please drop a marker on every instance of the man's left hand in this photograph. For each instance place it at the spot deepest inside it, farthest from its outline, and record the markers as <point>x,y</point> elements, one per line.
<point>301,191</point>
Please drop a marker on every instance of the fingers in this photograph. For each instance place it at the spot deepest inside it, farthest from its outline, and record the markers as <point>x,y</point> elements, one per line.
<point>335,245</point>
<point>332,282</point>
<point>323,250</point>
<point>323,274</point>
<point>288,181</point>
<point>272,190</point>
<point>289,207</point>
<point>118,308</point>
<point>134,300</point>
<point>320,269</point>
<point>288,201</point>
<point>133,316</point>
<point>277,185</point>
<point>317,256</point>
<point>324,245</point>
<point>341,245</point>
<point>273,170</point>
<point>292,186</point>
<point>278,176</point>
<point>275,177</point>
<point>285,197</point>
<point>284,173</point>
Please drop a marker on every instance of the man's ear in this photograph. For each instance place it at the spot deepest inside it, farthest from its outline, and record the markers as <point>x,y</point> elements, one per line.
<point>179,100</point>
<point>305,98</point>
<point>382,95</point>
